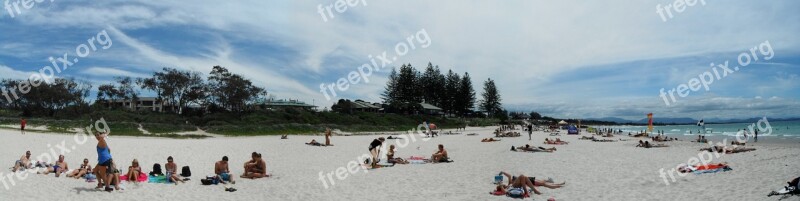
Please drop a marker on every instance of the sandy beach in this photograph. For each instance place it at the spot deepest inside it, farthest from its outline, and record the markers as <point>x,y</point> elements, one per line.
<point>592,170</point>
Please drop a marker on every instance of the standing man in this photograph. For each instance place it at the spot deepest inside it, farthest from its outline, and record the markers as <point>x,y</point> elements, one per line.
<point>530,131</point>
<point>22,123</point>
<point>756,132</point>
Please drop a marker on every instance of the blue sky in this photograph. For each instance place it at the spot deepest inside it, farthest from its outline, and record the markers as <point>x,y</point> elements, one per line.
<point>573,59</point>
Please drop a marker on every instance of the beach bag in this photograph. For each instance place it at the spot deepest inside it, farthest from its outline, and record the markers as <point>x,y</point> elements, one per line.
<point>156,170</point>
<point>185,172</point>
<point>516,193</point>
<point>209,180</point>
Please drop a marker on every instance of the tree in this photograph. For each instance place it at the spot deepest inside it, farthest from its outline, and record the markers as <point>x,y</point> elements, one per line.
<point>231,91</point>
<point>491,99</point>
<point>451,91</point>
<point>465,99</point>
<point>389,94</point>
<point>535,115</point>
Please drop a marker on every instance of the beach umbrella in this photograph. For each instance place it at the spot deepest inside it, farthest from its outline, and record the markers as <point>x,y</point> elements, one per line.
<point>562,122</point>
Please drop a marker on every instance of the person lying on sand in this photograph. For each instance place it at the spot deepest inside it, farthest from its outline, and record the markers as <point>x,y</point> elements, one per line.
<point>24,162</point>
<point>489,140</point>
<point>587,138</point>
<point>603,140</point>
<point>646,144</point>
<point>392,137</point>
<point>688,169</point>
<point>557,141</point>
<point>537,182</point>
<point>721,149</point>
<point>172,171</point>
<point>83,170</point>
<point>530,148</point>
<point>314,143</point>
<point>520,181</point>
<point>222,172</point>
<point>59,168</point>
<point>257,168</point>
<point>440,155</point>
<point>391,159</point>
<point>738,143</point>
<point>133,171</point>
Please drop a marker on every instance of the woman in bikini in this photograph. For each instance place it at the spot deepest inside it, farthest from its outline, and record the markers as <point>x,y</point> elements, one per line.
<point>83,170</point>
<point>133,171</point>
<point>390,157</point>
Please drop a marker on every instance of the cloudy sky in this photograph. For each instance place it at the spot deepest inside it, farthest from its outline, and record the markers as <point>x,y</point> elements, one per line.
<point>574,59</point>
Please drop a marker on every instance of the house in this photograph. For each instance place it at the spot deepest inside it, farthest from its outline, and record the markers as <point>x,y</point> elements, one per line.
<point>141,104</point>
<point>363,106</point>
<point>430,109</point>
<point>273,104</point>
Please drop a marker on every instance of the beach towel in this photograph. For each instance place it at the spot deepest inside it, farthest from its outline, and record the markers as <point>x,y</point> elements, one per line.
<point>142,177</point>
<point>714,170</point>
<point>157,179</point>
<point>512,193</point>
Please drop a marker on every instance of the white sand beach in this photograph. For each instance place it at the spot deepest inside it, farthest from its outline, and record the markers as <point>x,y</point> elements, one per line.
<point>591,170</point>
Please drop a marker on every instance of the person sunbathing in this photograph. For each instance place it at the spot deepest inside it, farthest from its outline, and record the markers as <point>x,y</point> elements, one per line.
<point>646,144</point>
<point>603,140</point>
<point>537,182</point>
<point>587,138</point>
<point>314,143</point>
<point>83,170</point>
<point>133,171</point>
<point>24,162</point>
<point>391,159</point>
<point>530,148</point>
<point>556,142</point>
<point>738,143</point>
<point>490,140</point>
<point>521,182</point>
<point>440,155</point>
<point>712,166</point>
<point>172,171</point>
<point>59,168</point>
<point>328,136</point>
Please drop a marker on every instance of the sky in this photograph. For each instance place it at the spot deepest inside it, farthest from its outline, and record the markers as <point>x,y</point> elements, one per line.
<point>569,59</point>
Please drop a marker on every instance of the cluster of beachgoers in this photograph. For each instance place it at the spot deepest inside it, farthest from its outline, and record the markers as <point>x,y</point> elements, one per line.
<point>109,176</point>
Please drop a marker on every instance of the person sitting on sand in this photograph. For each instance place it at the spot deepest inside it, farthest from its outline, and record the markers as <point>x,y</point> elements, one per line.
<point>489,140</point>
<point>59,168</point>
<point>133,171</point>
<point>314,143</point>
<point>83,170</point>
<point>391,159</point>
<point>172,171</point>
<point>113,176</point>
<point>284,137</point>
<point>440,155</point>
<point>222,171</point>
<point>646,144</point>
<point>257,168</point>
<point>24,162</point>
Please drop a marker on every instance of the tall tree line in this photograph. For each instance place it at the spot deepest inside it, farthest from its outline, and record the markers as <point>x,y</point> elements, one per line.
<point>408,87</point>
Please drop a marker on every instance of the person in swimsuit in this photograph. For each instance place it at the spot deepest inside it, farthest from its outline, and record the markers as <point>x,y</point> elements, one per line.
<point>83,170</point>
<point>521,181</point>
<point>24,162</point>
<point>258,168</point>
<point>314,143</point>
<point>133,171</point>
<point>328,136</point>
<point>222,171</point>
<point>390,157</point>
<point>374,149</point>
<point>104,160</point>
<point>59,168</point>
<point>172,171</point>
<point>440,155</point>
<point>545,183</point>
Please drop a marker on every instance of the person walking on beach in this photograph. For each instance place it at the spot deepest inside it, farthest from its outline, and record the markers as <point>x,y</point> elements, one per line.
<point>104,161</point>
<point>530,131</point>
<point>756,137</point>
<point>22,123</point>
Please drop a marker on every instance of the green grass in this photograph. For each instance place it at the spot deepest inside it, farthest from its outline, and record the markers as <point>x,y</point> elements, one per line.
<point>126,123</point>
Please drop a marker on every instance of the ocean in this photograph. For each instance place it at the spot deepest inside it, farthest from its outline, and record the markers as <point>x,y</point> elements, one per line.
<point>777,129</point>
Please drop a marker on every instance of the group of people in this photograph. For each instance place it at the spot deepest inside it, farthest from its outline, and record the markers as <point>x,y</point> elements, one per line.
<point>327,139</point>
<point>520,186</point>
<point>647,144</point>
<point>439,156</point>
<point>557,141</point>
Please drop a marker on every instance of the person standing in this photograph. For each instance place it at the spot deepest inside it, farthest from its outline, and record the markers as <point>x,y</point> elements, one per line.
<point>530,131</point>
<point>374,149</point>
<point>22,123</point>
<point>328,137</point>
<point>756,137</point>
<point>104,161</point>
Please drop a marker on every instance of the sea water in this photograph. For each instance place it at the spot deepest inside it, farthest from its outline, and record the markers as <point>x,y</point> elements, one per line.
<point>781,129</point>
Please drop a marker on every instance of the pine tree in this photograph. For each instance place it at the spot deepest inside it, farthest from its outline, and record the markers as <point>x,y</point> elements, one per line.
<point>390,91</point>
<point>451,93</point>
<point>491,99</point>
<point>465,99</point>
